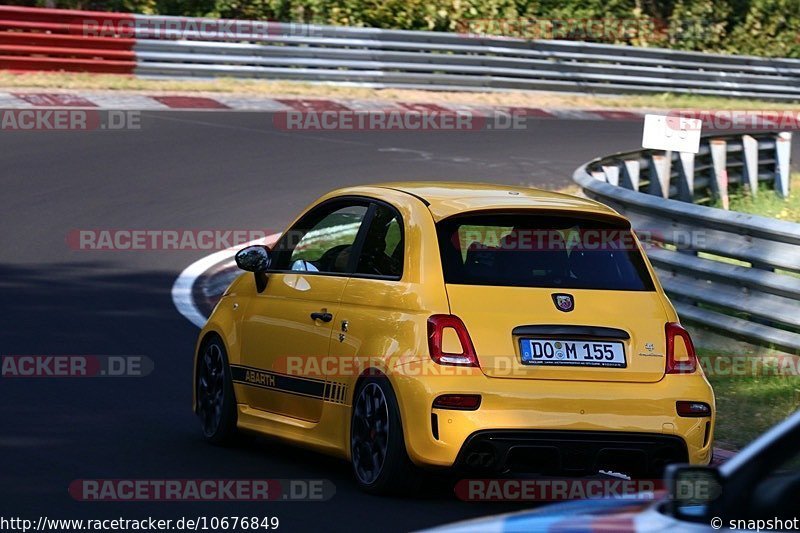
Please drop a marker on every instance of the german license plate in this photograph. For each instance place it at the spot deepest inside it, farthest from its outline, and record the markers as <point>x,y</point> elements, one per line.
<point>572,353</point>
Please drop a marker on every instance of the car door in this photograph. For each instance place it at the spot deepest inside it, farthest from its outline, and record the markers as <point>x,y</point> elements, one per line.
<point>292,319</point>
<point>376,314</point>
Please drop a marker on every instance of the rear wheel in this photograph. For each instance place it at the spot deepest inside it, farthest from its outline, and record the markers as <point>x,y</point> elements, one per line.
<point>216,404</point>
<point>378,452</point>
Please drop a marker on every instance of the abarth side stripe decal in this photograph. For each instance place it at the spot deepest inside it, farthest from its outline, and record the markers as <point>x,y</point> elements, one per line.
<point>298,385</point>
<point>279,382</point>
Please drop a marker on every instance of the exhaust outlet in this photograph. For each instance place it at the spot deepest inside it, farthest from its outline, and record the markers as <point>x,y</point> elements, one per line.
<point>485,459</point>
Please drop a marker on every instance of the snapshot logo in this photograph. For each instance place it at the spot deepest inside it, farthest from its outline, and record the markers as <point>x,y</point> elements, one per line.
<point>399,120</point>
<point>733,119</point>
<point>191,490</point>
<point>75,366</point>
<point>556,489</point>
<point>161,239</point>
<point>68,120</point>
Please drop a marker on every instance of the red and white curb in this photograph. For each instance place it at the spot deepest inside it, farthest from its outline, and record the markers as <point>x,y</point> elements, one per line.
<point>12,99</point>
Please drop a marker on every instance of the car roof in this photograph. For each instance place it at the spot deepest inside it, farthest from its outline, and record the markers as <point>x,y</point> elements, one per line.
<point>445,199</point>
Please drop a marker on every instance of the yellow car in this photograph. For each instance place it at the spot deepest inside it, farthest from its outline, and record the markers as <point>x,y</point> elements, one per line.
<point>456,325</point>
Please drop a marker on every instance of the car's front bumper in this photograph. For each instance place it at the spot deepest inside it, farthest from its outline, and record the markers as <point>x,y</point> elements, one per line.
<point>583,410</point>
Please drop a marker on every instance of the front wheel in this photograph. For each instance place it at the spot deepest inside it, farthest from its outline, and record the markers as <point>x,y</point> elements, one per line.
<point>216,403</point>
<point>378,452</point>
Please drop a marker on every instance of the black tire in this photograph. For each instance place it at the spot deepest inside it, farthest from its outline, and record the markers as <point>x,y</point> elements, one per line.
<point>376,430</point>
<point>216,403</point>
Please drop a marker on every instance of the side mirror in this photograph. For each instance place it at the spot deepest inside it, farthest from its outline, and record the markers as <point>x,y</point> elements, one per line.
<point>692,491</point>
<point>255,258</point>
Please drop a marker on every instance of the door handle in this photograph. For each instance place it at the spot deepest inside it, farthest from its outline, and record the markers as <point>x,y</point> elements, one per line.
<point>322,315</point>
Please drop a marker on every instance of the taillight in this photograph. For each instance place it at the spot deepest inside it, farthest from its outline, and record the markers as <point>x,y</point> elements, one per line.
<point>459,402</point>
<point>681,357</point>
<point>438,326</point>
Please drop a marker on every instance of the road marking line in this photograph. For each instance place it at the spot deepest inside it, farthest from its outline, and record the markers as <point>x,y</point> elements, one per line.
<point>182,295</point>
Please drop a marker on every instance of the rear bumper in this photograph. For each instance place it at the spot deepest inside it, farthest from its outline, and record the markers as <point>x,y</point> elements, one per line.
<point>521,418</point>
<point>578,453</point>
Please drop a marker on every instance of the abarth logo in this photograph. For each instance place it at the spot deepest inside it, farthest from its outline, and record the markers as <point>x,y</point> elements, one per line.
<point>649,346</point>
<point>564,302</point>
<point>259,378</point>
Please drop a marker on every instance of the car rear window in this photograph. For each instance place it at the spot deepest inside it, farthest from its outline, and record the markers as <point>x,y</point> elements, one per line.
<point>531,250</point>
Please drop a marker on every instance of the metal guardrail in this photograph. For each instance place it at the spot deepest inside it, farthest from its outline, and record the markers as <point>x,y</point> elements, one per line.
<point>430,60</point>
<point>35,38</point>
<point>56,39</point>
<point>729,271</point>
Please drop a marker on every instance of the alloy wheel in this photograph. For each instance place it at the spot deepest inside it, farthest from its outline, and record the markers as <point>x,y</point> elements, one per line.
<point>370,433</point>
<point>211,389</point>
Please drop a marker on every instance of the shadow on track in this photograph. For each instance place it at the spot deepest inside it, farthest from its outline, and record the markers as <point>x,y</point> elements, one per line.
<point>56,430</point>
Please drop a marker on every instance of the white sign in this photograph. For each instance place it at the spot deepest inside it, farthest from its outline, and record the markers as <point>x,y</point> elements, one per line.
<point>673,132</point>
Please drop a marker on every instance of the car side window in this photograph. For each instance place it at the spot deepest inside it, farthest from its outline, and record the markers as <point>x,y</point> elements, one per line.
<point>382,253</point>
<point>322,241</point>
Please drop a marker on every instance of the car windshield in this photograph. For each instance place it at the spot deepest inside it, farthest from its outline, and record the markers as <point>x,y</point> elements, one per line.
<point>532,250</point>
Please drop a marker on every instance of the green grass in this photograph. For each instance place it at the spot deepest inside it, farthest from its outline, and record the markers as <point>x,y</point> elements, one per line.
<point>722,259</point>
<point>768,203</point>
<point>747,407</point>
<point>755,399</point>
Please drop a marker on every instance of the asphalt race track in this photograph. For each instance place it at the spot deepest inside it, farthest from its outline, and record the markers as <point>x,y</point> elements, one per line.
<point>197,170</point>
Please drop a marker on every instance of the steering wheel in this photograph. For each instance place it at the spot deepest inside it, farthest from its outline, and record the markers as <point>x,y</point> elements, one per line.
<point>328,260</point>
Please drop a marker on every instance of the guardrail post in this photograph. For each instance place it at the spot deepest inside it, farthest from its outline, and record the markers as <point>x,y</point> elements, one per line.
<point>719,157</point>
<point>630,174</point>
<point>612,174</point>
<point>750,151</point>
<point>783,152</point>
<point>659,174</point>
<point>686,170</point>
